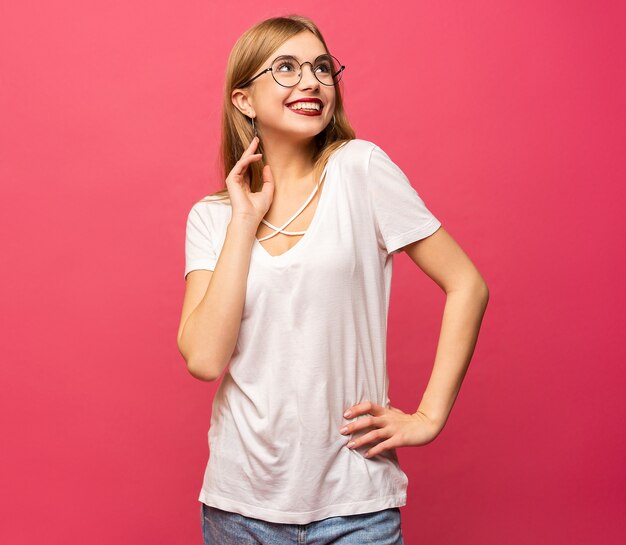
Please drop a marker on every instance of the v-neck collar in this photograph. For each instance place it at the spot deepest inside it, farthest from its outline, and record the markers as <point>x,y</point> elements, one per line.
<point>286,257</point>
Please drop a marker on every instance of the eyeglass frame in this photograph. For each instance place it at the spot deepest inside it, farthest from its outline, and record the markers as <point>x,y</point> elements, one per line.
<point>248,82</point>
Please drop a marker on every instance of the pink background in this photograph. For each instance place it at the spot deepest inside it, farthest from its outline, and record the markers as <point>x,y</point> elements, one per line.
<point>509,119</point>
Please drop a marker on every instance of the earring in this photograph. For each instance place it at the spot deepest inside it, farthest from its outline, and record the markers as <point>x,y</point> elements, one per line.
<point>253,127</point>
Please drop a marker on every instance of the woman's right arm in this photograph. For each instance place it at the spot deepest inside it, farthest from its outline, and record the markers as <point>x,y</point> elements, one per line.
<point>213,305</point>
<point>214,300</point>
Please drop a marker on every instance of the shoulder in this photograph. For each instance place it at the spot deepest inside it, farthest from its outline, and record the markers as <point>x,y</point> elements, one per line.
<point>211,204</point>
<point>354,156</point>
<point>360,149</point>
<point>363,159</point>
<point>212,200</point>
<point>210,210</point>
<point>357,147</point>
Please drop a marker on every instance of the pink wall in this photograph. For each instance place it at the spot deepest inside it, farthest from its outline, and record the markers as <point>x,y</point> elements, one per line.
<point>508,117</point>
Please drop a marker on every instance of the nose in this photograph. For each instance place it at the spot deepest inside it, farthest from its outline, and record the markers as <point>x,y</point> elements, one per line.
<point>308,78</point>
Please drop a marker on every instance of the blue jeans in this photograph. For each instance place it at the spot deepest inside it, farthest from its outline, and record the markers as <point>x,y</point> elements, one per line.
<point>226,528</point>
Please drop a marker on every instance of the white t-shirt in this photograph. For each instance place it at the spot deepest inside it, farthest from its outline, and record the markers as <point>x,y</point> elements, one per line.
<point>312,343</point>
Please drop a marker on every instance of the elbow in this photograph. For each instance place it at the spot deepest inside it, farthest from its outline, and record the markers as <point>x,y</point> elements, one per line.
<point>198,367</point>
<point>203,370</point>
<point>479,287</point>
<point>481,290</point>
<point>475,287</point>
<point>484,291</point>
<point>206,364</point>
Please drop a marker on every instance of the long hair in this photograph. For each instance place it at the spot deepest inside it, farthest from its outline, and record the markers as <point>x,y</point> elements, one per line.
<point>244,61</point>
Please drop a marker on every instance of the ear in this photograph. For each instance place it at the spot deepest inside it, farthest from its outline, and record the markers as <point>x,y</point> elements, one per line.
<point>242,102</point>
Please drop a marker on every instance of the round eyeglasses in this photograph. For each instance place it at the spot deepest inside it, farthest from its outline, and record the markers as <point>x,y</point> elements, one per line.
<point>287,71</point>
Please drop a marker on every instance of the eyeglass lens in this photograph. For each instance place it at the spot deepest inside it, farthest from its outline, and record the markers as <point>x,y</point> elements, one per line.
<point>286,70</point>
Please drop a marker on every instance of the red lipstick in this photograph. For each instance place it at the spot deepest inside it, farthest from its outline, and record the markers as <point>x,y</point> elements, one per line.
<point>307,112</point>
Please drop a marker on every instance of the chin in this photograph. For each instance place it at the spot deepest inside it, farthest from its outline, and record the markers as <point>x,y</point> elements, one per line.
<point>302,135</point>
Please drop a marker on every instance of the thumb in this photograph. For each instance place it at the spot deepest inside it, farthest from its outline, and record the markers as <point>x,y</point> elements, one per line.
<point>268,180</point>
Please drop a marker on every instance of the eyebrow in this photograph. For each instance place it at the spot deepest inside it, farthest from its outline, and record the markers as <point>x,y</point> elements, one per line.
<point>296,58</point>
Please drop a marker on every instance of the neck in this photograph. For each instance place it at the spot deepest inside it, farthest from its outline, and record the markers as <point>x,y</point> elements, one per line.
<point>291,163</point>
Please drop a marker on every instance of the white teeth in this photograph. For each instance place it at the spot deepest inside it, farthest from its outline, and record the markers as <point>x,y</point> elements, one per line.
<point>305,106</point>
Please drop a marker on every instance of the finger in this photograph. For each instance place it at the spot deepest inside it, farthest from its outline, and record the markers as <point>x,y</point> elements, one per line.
<point>251,147</point>
<point>267,175</point>
<point>359,424</point>
<point>249,151</point>
<point>363,408</point>
<point>381,447</point>
<point>241,165</point>
<point>247,156</point>
<point>374,435</point>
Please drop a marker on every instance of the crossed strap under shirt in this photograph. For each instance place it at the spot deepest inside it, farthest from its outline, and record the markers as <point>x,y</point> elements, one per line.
<point>281,228</point>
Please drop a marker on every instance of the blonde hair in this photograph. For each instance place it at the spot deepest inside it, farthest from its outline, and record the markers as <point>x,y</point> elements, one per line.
<point>244,61</point>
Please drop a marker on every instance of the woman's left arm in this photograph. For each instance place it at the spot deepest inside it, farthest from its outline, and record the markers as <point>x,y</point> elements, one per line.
<point>467,295</point>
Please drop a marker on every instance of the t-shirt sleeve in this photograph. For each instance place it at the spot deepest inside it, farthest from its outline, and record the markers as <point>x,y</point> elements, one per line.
<point>199,248</point>
<point>400,213</point>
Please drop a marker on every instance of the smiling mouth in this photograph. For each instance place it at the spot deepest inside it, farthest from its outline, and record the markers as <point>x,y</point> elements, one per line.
<point>305,106</point>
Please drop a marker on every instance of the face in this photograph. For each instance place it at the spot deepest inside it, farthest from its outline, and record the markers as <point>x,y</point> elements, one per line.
<point>266,100</point>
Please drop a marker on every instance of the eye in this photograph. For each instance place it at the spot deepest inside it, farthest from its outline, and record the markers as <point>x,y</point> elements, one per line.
<point>285,66</point>
<point>324,67</point>
<point>324,64</point>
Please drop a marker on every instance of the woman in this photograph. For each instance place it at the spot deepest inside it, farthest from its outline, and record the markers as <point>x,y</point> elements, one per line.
<point>288,272</point>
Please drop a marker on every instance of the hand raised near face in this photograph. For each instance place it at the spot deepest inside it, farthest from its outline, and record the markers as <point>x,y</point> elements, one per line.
<point>246,205</point>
